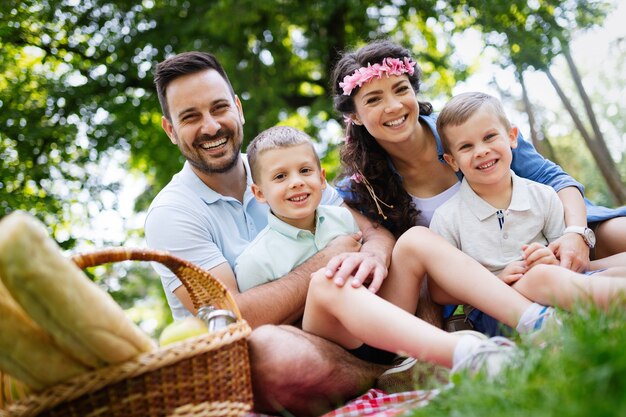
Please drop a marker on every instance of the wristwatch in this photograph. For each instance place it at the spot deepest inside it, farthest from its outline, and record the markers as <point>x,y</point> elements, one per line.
<point>588,236</point>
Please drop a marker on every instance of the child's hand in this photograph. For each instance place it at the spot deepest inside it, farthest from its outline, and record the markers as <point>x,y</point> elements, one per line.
<point>536,254</point>
<point>513,272</point>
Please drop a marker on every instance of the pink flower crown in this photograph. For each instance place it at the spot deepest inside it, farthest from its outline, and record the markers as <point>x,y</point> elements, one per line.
<point>388,66</point>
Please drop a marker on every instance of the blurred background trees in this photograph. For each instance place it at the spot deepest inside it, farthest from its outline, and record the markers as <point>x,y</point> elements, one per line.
<point>81,145</point>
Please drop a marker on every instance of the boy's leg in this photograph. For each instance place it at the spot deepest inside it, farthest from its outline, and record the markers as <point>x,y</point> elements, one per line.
<point>303,373</point>
<point>455,278</point>
<point>402,287</point>
<point>409,291</point>
<point>614,261</point>
<point>554,285</point>
<point>610,237</point>
<point>353,316</point>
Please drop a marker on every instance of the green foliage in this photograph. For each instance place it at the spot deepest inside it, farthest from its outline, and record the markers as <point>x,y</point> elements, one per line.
<point>77,76</point>
<point>580,372</point>
<point>77,80</point>
<point>576,159</point>
<point>531,33</point>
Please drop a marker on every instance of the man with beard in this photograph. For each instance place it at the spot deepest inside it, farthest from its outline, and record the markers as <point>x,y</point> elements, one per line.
<point>208,215</point>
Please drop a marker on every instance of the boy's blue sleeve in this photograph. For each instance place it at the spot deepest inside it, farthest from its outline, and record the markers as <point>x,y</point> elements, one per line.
<point>528,163</point>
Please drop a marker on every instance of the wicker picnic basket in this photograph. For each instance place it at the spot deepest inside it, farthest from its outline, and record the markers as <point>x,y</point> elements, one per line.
<point>208,375</point>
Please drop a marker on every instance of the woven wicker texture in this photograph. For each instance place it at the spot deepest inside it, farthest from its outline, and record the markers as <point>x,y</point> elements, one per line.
<point>208,375</point>
<point>11,390</point>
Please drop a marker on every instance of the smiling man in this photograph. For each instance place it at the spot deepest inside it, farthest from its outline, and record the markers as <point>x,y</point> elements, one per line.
<point>208,215</point>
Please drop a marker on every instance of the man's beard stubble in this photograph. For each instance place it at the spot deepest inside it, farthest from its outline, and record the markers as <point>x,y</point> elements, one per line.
<point>205,167</point>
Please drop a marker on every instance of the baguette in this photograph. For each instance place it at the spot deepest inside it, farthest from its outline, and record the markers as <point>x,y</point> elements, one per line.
<point>82,318</point>
<point>27,352</point>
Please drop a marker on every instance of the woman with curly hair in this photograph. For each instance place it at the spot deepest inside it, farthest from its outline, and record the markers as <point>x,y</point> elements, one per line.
<point>393,166</point>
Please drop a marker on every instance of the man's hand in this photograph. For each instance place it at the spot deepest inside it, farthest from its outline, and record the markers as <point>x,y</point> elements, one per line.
<point>513,272</point>
<point>572,252</point>
<point>358,267</point>
<point>536,254</point>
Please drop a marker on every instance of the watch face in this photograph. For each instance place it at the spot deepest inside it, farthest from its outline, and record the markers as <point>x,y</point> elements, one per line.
<point>590,237</point>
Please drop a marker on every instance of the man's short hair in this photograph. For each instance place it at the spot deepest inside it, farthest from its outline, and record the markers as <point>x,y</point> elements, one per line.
<point>277,137</point>
<point>462,107</point>
<point>183,64</point>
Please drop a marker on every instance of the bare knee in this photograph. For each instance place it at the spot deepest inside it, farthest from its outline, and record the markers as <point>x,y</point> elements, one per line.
<point>322,291</point>
<point>538,283</point>
<point>320,284</point>
<point>282,366</point>
<point>412,241</point>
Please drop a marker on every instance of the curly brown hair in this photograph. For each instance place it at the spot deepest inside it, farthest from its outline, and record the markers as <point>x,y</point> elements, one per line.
<point>362,155</point>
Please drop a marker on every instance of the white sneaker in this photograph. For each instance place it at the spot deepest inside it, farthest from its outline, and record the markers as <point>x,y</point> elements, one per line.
<point>489,356</point>
<point>547,318</point>
<point>544,327</point>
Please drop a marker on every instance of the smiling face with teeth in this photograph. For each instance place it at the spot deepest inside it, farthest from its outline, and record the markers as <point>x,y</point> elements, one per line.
<point>207,121</point>
<point>291,183</point>
<point>388,109</point>
<point>480,148</point>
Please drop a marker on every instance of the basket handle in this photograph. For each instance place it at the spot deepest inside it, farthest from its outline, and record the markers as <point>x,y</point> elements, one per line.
<point>204,288</point>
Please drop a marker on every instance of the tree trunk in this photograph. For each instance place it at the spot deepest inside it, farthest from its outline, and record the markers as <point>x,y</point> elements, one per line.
<point>543,146</point>
<point>599,136</point>
<point>548,146</point>
<point>600,153</point>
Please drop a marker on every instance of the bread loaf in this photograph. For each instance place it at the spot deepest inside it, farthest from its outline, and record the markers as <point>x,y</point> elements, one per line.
<point>82,318</point>
<point>27,352</point>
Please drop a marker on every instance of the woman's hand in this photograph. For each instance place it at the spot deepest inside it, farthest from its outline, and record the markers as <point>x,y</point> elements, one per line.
<point>572,252</point>
<point>536,254</point>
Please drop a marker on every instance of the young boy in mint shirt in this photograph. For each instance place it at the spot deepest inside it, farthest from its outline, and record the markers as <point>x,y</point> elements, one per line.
<point>298,227</point>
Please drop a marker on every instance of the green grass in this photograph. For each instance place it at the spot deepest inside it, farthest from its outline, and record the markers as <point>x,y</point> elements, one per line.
<point>580,372</point>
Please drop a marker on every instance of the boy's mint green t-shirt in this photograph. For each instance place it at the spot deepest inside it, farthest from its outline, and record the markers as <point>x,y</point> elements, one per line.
<point>280,247</point>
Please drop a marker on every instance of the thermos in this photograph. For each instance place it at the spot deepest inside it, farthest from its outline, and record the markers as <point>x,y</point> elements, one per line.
<point>214,318</point>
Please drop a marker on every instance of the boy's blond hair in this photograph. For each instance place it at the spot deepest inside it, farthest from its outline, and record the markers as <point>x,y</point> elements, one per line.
<point>276,137</point>
<point>462,107</point>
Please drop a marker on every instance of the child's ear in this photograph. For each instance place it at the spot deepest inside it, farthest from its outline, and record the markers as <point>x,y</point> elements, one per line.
<point>323,178</point>
<point>258,194</point>
<point>451,161</point>
<point>513,133</point>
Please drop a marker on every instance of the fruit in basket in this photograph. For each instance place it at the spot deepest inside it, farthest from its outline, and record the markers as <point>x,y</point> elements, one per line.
<point>182,329</point>
<point>81,318</point>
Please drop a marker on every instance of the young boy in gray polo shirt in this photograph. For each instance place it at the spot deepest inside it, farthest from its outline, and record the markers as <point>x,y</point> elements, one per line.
<point>506,222</point>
